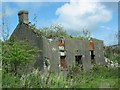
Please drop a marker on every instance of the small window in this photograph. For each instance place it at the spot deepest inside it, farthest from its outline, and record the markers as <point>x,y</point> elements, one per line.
<point>92,56</point>
<point>78,59</point>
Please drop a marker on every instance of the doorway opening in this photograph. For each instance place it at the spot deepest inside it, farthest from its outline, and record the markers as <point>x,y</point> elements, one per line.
<point>63,63</point>
<point>78,61</point>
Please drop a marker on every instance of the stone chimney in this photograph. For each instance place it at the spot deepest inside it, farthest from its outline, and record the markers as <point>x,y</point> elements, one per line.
<point>23,16</point>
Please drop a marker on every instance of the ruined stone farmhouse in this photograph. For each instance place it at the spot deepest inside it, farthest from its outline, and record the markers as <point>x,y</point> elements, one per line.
<point>61,53</point>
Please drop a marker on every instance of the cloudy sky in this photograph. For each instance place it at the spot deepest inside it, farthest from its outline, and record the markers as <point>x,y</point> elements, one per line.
<point>99,18</point>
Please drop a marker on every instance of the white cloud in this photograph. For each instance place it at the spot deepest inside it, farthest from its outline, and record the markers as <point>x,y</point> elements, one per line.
<point>79,14</point>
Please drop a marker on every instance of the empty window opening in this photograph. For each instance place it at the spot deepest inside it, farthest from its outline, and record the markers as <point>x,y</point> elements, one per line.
<point>63,62</point>
<point>92,56</point>
<point>78,61</point>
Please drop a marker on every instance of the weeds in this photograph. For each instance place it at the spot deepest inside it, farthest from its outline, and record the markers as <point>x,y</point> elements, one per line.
<point>99,77</point>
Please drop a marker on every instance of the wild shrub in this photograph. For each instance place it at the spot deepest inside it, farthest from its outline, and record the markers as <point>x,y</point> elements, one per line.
<point>16,55</point>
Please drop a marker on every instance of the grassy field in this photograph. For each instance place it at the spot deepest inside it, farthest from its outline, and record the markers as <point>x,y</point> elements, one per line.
<point>98,77</point>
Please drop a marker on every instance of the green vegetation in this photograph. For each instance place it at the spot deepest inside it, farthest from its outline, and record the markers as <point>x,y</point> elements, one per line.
<point>99,77</point>
<point>54,31</point>
<point>57,31</point>
<point>112,53</point>
<point>16,56</point>
<point>114,57</point>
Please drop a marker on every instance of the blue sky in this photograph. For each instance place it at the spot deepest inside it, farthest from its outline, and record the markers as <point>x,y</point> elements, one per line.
<point>100,18</point>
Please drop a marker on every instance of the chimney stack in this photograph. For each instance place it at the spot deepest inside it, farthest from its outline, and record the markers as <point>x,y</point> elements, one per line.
<point>23,16</point>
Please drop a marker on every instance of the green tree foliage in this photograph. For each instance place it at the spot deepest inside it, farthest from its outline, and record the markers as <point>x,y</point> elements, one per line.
<point>17,55</point>
<point>57,31</point>
<point>54,31</point>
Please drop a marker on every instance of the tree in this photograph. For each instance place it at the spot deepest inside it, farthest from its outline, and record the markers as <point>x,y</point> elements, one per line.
<point>86,33</point>
<point>53,31</point>
<point>17,54</point>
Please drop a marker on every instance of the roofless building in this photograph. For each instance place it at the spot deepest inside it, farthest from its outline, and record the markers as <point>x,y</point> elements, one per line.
<point>62,52</point>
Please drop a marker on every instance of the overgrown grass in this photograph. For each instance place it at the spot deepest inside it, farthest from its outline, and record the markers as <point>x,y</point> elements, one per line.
<point>98,77</point>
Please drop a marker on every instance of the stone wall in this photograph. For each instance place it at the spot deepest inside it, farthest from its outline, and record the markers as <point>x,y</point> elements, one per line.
<point>50,48</point>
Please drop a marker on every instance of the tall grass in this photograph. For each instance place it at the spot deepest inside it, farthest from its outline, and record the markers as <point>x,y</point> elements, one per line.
<point>98,77</point>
